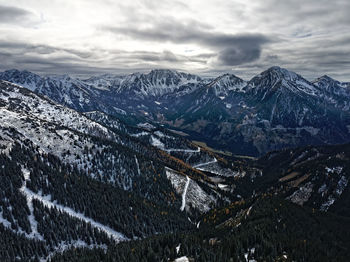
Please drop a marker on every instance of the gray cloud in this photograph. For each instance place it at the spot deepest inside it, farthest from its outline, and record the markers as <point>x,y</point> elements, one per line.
<point>50,59</point>
<point>10,14</point>
<point>232,49</point>
<point>154,56</point>
<point>233,56</point>
<point>319,12</point>
<point>40,49</point>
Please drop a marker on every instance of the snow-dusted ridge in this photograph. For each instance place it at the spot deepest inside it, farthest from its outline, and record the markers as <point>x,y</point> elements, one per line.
<point>47,110</point>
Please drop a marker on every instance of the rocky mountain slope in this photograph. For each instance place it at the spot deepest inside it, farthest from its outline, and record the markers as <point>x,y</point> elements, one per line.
<point>51,154</point>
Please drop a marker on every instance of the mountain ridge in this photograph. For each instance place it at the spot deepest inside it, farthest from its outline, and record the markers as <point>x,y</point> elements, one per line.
<point>224,112</point>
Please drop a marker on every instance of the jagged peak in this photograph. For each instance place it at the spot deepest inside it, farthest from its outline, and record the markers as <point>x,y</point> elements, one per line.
<point>326,82</point>
<point>325,78</point>
<point>170,73</point>
<point>229,76</point>
<point>225,83</point>
<point>280,72</point>
<point>21,77</point>
<point>15,71</point>
<point>277,78</point>
<point>226,80</point>
<point>162,71</point>
<point>164,77</point>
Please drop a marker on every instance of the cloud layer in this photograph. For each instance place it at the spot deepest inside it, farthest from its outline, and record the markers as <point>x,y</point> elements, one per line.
<point>12,14</point>
<point>205,37</point>
<point>229,49</point>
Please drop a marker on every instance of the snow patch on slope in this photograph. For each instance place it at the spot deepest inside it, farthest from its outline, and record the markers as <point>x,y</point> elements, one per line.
<point>192,194</point>
<point>33,223</point>
<point>184,194</point>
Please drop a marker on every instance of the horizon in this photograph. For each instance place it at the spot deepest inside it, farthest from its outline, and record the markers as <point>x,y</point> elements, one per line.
<point>147,71</point>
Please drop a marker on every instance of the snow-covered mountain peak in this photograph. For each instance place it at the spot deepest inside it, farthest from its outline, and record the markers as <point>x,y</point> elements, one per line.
<point>228,81</point>
<point>325,78</point>
<point>326,81</point>
<point>25,78</point>
<point>167,74</point>
<point>162,72</point>
<point>330,86</point>
<point>225,83</point>
<point>104,82</point>
<point>280,73</point>
<point>157,82</point>
<point>277,78</point>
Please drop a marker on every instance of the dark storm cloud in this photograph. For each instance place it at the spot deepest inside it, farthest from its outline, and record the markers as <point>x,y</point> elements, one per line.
<point>238,55</point>
<point>10,14</point>
<point>231,49</point>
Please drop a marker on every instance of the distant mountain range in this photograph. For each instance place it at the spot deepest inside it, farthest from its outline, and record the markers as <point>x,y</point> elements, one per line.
<point>275,109</point>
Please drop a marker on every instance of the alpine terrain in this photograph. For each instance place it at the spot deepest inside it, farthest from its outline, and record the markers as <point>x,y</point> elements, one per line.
<point>171,166</point>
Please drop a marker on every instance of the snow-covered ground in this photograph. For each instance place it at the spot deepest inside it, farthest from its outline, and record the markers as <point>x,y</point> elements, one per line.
<point>143,133</point>
<point>156,142</point>
<point>302,195</point>
<point>214,168</point>
<point>205,164</point>
<point>183,204</point>
<point>183,150</point>
<point>341,185</point>
<point>32,220</point>
<point>192,194</point>
<point>45,110</point>
<point>182,259</point>
<point>58,130</point>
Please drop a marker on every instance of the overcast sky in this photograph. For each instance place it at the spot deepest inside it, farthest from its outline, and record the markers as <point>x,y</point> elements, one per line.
<point>310,37</point>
